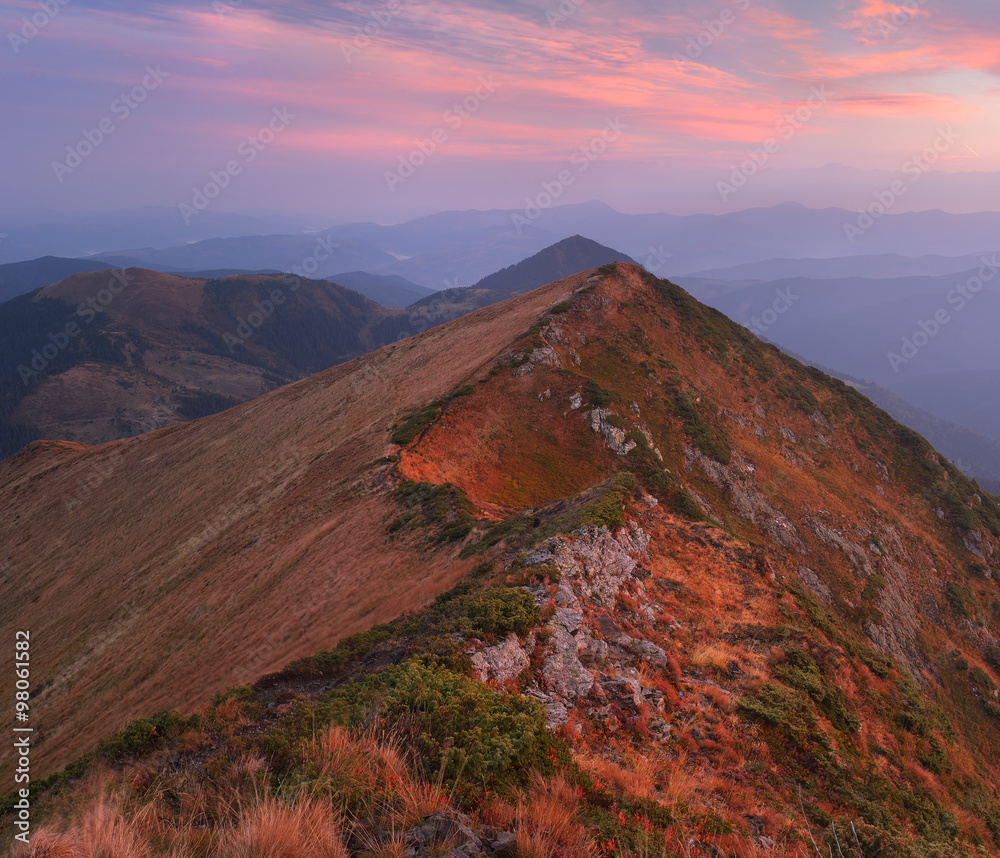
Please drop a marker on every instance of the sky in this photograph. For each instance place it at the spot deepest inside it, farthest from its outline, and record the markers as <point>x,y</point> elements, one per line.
<point>390,109</point>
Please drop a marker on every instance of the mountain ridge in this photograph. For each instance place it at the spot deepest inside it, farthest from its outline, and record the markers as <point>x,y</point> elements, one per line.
<point>673,543</point>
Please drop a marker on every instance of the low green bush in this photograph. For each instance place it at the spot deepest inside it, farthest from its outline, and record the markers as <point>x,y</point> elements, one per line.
<point>144,734</point>
<point>456,726</point>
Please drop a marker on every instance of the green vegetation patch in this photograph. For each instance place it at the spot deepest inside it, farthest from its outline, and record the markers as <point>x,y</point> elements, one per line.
<point>347,650</point>
<point>597,395</point>
<point>457,726</point>
<point>445,508</point>
<point>477,612</point>
<point>699,431</point>
<point>145,734</point>
<point>509,528</point>
<point>416,423</point>
<point>803,672</point>
<point>800,395</point>
<point>777,706</point>
<point>608,510</point>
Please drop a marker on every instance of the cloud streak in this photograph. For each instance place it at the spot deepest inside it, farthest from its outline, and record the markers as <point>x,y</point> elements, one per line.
<point>562,77</point>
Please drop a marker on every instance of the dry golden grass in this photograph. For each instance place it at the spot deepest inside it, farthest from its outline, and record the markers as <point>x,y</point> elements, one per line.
<point>49,843</point>
<point>271,829</point>
<point>545,820</point>
<point>259,826</point>
<point>711,654</point>
<point>719,697</point>
<point>227,546</point>
<point>380,780</point>
<point>102,832</point>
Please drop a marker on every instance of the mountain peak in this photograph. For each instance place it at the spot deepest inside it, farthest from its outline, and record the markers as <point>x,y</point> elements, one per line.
<point>559,260</point>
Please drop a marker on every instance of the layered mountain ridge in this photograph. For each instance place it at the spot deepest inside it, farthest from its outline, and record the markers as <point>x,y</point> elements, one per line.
<point>738,606</point>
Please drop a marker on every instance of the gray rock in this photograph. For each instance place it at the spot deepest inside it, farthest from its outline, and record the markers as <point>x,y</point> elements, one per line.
<point>563,673</point>
<point>646,650</point>
<point>505,846</point>
<point>614,436</point>
<point>502,662</point>
<point>813,582</point>
<point>626,692</point>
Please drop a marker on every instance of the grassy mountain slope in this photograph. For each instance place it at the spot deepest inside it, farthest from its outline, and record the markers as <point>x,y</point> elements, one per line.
<point>262,517</point>
<point>720,603</point>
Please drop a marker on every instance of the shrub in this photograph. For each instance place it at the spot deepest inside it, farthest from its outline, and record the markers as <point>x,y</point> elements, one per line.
<point>803,672</point>
<point>981,678</point>
<point>800,395</point>
<point>700,432</point>
<point>773,704</point>
<point>457,726</point>
<point>597,395</point>
<point>144,734</point>
<point>499,532</point>
<point>445,507</point>
<point>497,610</point>
<point>347,650</point>
<point>958,598</point>
<point>415,424</point>
<point>873,587</point>
<point>992,657</point>
<point>608,511</point>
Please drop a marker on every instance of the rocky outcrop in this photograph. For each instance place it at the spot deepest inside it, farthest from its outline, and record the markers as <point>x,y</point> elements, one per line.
<point>813,582</point>
<point>501,663</point>
<point>736,478</point>
<point>450,835</point>
<point>615,436</point>
<point>587,659</point>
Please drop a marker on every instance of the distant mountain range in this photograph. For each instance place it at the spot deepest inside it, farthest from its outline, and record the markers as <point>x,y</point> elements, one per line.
<point>460,248</point>
<point>880,266</point>
<point>19,278</point>
<point>165,348</point>
<point>389,290</point>
<point>854,313</point>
